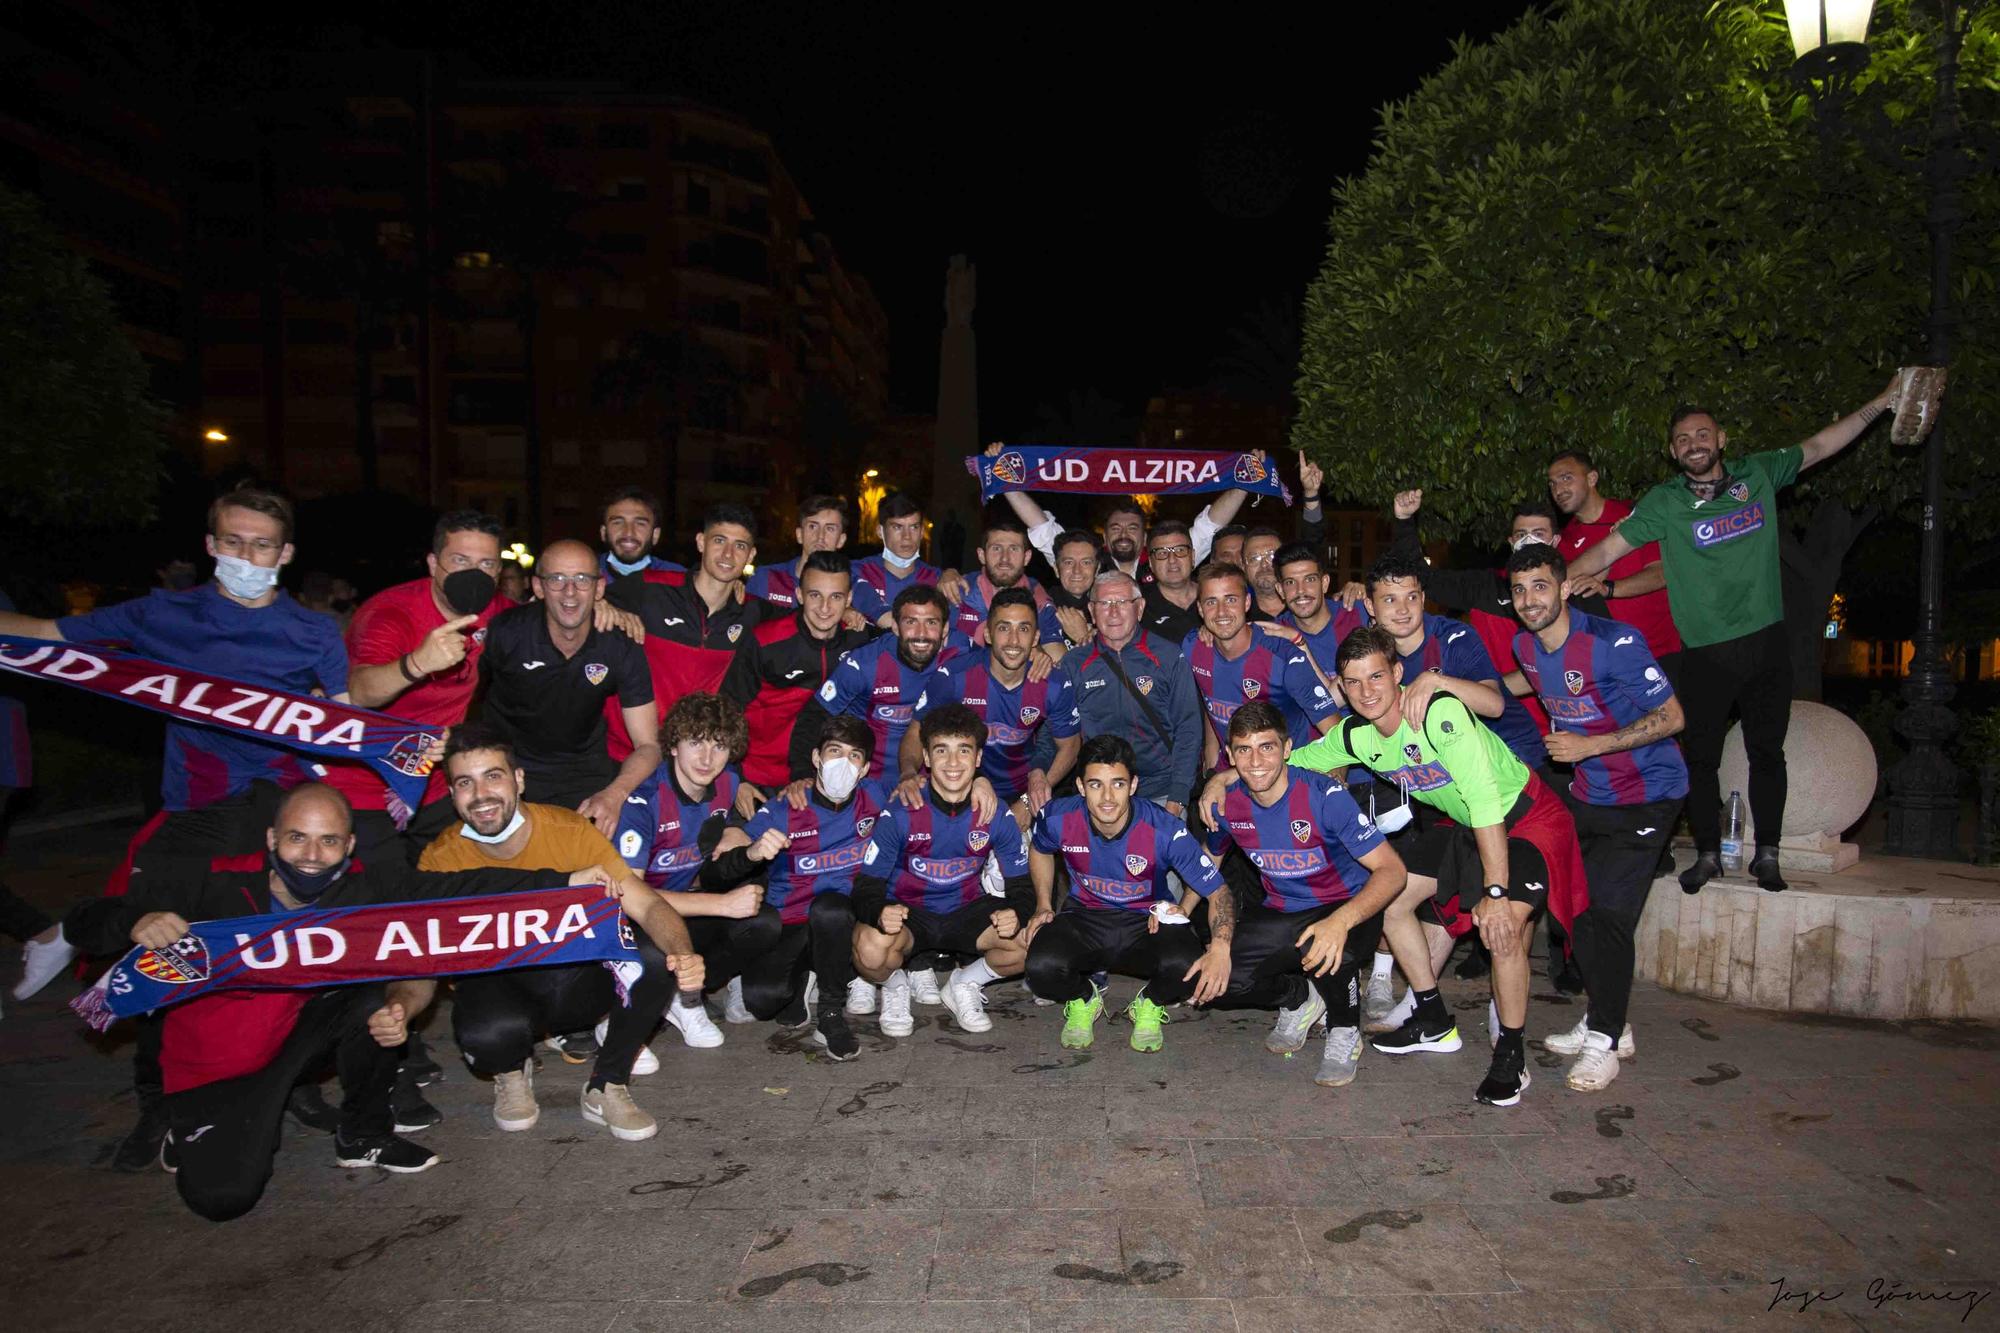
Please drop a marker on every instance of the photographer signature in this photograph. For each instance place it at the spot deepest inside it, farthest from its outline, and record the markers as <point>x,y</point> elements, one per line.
<point>1880,1292</point>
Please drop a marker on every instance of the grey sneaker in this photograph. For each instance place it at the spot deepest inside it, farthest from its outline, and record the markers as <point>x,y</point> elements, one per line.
<point>1289,1033</point>
<point>1340,1059</point>
<point>1376,1002</point>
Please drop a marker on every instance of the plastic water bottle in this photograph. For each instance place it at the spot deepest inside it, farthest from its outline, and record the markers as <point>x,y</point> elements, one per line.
<point>1732,834</point>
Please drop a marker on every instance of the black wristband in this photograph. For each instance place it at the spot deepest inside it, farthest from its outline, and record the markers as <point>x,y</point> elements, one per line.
<point>403,664</point>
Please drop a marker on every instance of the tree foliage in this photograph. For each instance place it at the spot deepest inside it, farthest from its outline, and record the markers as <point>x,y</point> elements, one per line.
<point>80,438</point>
<point>1622,204</point>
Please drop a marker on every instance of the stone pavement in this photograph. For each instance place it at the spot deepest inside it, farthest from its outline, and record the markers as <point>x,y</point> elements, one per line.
<point>996,1181</point>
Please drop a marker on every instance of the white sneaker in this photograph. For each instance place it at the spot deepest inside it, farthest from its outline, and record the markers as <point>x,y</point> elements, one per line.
<point>1378,999</point>
<point>924,987</point>
<point>860,998</point>
<point>1572,1041</point>
<point>697,1028</point>
<point>1289,1033</point>
<point>42,963</point>
<point>733,1008</point>
<point>1596,1065</point>
<point>644,1063</point>
<point>1395,1018</point>
<point>896,1020</point>
<point>966,1001</point>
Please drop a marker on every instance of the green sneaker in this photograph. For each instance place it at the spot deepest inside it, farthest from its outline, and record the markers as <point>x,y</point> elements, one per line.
<point>1078,1015</point>
<point>1146,1019</point>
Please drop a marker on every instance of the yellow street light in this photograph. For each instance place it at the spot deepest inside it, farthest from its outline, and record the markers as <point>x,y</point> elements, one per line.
<point>519,554</point>
<point>216,435</point>
<point>872,473</point>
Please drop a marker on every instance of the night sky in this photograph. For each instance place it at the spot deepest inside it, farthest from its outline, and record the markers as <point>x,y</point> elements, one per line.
<point>1145,203</point>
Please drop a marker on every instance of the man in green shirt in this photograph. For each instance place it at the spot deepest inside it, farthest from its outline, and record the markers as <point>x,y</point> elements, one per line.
<point>1717,526</point>
<point>1510,845</point>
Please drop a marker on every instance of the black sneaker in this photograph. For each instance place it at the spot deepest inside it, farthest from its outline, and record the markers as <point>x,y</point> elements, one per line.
<point>1566,979</point>
<point>795,1015</point>
<point>1764,869</point>
<point>307,1105</point>
<point>1506,1079</point>
<point>420,1068</point>
<point>170,1155</point>
<point>141,1148</point>
<point>412,1113</point>
<point>576,1048</point>
<point>1707,865</point>
<point>833,1036</point>
<point>388,1152</point>
<point>1420,1034</point>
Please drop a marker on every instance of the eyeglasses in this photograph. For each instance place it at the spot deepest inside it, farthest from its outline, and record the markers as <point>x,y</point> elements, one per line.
<point>1172,552</point>
<point>234,545</point>
<point>564,582</point>
<point>1263,559</point>
<point>1110,602</point>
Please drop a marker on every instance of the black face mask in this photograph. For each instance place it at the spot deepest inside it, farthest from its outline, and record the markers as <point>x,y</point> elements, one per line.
<point>307,888</point>
<point>469,590</point>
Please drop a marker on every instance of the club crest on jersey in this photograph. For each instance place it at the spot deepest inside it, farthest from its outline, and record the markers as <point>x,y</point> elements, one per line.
<point>863,826</point>
<point>1029,714</point>
<point>179,964</point>
<point>735,632</point>
<point>1251,688</point>
<point>1301,831</point>
<point>595,672</point>
<point>1011,468</point>
<point>1739,491</point>
<point>1574,680</point>
<point>1413,753</point>
<point>479,637</point>
<point>1145,684</point>
<point>977,840</point>
<point>408,754</point>
<point>1135,864</point>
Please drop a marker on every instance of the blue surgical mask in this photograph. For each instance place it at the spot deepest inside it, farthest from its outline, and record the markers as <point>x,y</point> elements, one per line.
<point>513,827</point>
<point>620,567</point>
<point>240,578</point>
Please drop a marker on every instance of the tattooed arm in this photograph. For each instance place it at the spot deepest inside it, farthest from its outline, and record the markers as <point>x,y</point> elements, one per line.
<point>1666,720</point>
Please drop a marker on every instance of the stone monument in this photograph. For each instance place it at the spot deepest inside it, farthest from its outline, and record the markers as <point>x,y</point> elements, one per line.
<point>953,489</point>
<point>1830,768</point>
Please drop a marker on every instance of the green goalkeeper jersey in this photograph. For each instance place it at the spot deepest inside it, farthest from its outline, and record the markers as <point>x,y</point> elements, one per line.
<point>1452,763</point>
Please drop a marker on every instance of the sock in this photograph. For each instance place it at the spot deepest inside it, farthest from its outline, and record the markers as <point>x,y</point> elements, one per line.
<point>687,999</point>
<point>1428,1003</point>
<point>978,972</point>
<point>1385,963</point>
<point>1511,1041</point>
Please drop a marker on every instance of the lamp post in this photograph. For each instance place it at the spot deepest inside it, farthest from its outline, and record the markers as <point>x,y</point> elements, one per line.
<point>1830,38</point>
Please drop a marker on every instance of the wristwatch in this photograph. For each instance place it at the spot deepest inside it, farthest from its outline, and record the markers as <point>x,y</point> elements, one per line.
<point>1496,891</point>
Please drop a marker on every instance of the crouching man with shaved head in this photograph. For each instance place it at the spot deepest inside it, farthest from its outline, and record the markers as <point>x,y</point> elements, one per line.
<point>230,1058</point>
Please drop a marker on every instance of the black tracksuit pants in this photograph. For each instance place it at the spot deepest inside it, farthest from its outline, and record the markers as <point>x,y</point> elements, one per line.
<point>1751,675</point>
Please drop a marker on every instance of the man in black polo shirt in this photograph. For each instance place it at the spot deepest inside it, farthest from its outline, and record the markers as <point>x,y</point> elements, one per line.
<point>708,611</point>
<point>544,679</point>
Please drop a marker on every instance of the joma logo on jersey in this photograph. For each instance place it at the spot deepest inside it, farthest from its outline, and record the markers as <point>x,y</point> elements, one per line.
<point>1715,531</point>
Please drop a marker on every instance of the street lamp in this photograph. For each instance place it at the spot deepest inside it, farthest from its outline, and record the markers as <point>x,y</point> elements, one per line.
<point>1830,37</point>
<point>216,435</point>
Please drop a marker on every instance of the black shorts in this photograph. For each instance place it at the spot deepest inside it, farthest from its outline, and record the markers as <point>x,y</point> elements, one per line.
<point>1449,854</point>
<point>958,931</point>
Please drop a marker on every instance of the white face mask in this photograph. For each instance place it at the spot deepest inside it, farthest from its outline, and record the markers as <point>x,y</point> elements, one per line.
<point>838,778</point>
<point>241,578</point>
<point>895,561</point>
<point>1526,539</point>
<point>1395,820</point>
<point>513,827</point>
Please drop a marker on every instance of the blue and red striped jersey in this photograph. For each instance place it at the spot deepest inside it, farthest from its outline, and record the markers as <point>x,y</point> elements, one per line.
<point>1323,646</point>
<point>1270,669</point>
<point>873,683</point>
<point>969,616</point>
<point>932,858</point>
<point>827,844</point>
<point>876,585</point>
<point>1307,845</point>
<point>1128,872</point>
<point>1601,679</point>
<point>1012,717</point>
<point>282,645</point>
<point>1454,647</point>
<point>659,830</point>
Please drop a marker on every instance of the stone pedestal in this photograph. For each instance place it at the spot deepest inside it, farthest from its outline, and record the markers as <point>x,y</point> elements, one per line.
<point>1891,938</point>
<point>1831,770</point>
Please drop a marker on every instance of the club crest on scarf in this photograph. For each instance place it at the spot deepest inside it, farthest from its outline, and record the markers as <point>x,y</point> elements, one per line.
<point>1250,469</point>
<point>1011,468</point>
<point>182,962</point>
<point>410,754</point>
